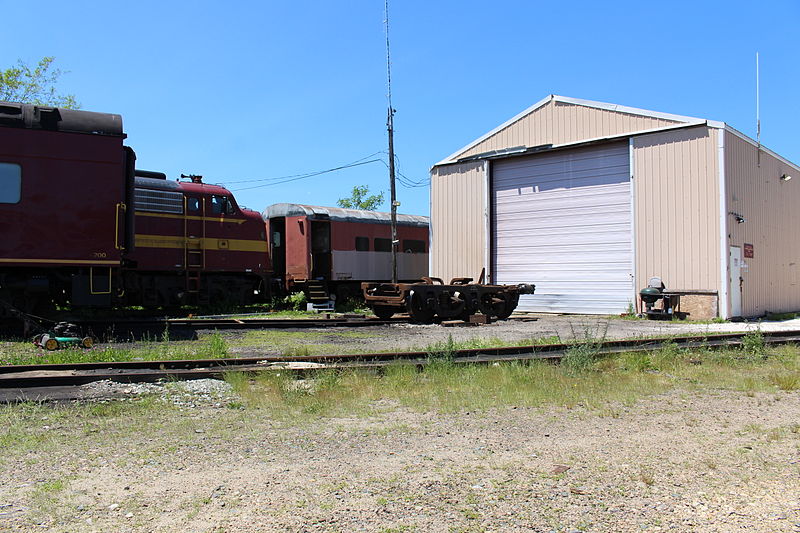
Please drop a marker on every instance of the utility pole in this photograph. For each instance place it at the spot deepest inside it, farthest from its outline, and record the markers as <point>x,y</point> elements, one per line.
<point>390,129</point>
<point>393,195</point>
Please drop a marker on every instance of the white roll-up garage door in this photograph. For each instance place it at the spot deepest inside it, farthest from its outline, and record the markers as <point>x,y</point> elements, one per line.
<point>562,220</point>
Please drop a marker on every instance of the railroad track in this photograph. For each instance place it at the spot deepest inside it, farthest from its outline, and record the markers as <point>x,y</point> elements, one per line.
<point>17,379</point>
<point>187,328</point>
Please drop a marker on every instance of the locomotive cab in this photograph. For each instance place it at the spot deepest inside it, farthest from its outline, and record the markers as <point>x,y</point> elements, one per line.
<point>195,244</point>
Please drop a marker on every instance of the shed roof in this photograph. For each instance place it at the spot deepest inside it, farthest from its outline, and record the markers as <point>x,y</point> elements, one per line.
<point>341,214</point>
<point>520,134</point>
<point>642,120</point>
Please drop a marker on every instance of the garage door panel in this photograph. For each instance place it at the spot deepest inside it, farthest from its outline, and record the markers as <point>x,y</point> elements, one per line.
<point>587,178</point>
<point>555,184</point>
<point>525,239</point>
<point>591,195</point>
<point>589,223</point>
<point>563,221</point>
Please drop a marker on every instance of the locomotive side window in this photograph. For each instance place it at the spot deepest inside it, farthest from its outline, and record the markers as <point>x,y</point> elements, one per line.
<point>362,244</point>
<point>193,204</point>
<point>220,205</point>
<point>383,245</point>
<point>413,246</point>
<point>10,183</point>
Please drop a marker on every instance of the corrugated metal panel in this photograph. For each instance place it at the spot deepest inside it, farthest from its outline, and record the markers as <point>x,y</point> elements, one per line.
<point>458,229</point>
<point>676,182</point>
<point>771,209</point>
<point>562,220</point>
<point>559,123</point>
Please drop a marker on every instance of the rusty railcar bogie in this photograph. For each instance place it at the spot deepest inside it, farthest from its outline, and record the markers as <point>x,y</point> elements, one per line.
<point>431,297</point>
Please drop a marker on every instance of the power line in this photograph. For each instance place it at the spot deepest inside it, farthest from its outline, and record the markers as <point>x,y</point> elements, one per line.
<point>353,163</point>
<point>295,177</point>
<point>404,180</point>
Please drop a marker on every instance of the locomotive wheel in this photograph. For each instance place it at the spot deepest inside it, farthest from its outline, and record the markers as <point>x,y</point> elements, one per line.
<point>87,342</point>
<point>418,309</point>
<point>383,312</point>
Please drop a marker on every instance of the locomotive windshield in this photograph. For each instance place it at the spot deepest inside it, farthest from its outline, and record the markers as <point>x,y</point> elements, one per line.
<point>221,205</point>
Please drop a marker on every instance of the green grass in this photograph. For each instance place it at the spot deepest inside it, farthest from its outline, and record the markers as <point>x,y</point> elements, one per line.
<point>602,387</point>
<point>593,382</point>
<point>211,346</point>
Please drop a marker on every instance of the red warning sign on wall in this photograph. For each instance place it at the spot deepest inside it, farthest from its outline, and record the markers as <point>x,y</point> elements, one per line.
<point>748,250</point>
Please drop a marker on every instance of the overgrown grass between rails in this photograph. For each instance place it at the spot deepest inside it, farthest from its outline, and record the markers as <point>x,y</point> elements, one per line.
<point>442,385</point>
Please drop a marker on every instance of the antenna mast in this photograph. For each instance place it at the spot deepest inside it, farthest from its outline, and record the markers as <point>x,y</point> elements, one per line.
<point>758,111</point>
<point>390,129</point>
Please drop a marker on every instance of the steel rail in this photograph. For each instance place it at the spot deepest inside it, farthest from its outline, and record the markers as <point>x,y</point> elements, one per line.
<point>234,323</point>
<point>24,376</point>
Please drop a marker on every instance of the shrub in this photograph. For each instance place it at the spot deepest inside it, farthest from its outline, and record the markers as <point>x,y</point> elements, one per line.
<point>753,345</point>
<point>296,301</point>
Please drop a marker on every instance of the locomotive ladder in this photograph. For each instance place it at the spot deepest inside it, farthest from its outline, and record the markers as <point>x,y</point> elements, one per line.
<point>195,257</point>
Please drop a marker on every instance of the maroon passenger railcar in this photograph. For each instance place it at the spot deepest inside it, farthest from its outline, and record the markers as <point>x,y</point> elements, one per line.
<point>330,251</point>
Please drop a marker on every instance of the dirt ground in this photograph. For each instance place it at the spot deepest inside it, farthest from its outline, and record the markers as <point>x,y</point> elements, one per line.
<point>687,460</point>
<point>714,461</point>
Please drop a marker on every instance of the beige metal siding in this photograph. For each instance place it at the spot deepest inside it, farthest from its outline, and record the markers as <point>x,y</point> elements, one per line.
<point>771,209</point>
<point>458,224</point>
<point>560,123</point>
<point>676,208</point>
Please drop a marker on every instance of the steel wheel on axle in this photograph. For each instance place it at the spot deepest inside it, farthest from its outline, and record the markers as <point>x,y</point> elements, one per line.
<point>418,309</point>
<point>384,312</point>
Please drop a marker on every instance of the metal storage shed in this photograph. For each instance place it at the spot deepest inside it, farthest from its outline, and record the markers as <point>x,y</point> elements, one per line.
<point>589,200</point>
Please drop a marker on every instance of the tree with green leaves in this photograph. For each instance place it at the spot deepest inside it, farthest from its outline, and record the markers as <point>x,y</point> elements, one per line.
<point>36,85</point>
<point>359,199</point>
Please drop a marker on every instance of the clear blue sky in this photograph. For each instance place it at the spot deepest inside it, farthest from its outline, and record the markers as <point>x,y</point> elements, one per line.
<point>249,90</point>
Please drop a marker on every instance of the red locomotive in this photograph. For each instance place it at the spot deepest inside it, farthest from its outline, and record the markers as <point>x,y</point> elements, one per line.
<point>330,251</point>
<point>80,226</point>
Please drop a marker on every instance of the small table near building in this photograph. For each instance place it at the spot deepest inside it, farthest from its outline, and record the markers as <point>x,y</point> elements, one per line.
<point>671,305</point>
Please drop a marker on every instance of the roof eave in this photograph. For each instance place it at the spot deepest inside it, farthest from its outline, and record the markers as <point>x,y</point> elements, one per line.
<point>586,103</point>
<point>537,149</point>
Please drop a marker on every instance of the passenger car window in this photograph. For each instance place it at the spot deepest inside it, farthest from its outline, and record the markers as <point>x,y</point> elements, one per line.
<point>10,183</point>
<point>362,244</point>
<point>383,245</point>
<point>413,246</point>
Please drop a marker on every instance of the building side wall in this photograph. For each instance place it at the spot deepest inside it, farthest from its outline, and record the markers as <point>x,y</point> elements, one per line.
<point>458,223</point>
<point>770,210</point>
<point>560,123</point>
<point>676,209</point>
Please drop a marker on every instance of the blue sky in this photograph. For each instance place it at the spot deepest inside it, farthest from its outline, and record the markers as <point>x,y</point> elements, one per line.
<point>251,90</point>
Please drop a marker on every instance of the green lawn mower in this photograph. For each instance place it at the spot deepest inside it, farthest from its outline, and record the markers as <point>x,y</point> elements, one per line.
<point>64,335</point>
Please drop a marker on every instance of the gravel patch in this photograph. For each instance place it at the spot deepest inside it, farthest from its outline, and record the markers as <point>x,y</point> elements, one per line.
<point>195,393</point>
<point>409,337</point>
